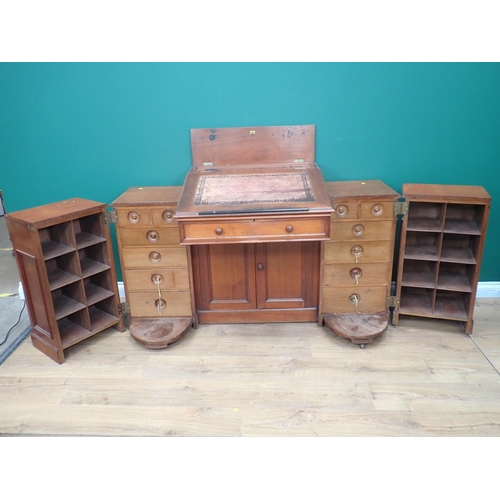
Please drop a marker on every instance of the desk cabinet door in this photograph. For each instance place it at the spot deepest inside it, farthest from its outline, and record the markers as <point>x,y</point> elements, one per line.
<point>287,274</point>
<point>256,276</point>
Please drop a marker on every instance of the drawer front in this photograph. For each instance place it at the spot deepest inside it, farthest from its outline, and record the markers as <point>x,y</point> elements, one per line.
<point>377,210</point>
<point>340,300</point>
<point>355,274</point>
<point>227,231</point>
<point>164,216</point>
<point>345,210</point>
<point>352,252</point>
<point>155,257</point>
<point>145,304</point>
<point>150,279</point>
<point>133,217</point>
<point>148,236</point>
<point>361,230</point>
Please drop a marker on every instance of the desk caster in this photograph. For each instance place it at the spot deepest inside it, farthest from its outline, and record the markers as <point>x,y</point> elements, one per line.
<point>361,346</point>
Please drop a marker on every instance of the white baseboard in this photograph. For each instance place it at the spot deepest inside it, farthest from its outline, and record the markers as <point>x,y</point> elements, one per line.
<point>485,289</point>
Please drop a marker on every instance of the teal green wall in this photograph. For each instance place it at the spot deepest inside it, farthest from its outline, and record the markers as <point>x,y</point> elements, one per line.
<point>93,130</point>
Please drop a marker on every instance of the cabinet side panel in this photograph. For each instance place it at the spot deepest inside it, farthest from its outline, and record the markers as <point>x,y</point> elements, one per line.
<point>31,281</point>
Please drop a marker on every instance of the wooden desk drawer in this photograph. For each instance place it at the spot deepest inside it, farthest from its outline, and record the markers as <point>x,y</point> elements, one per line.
<point>133,217</point>
<point>155,257</point>
<point>145,304</point>
<point>361,231</point>
<point>346,274</point>
<point>347,210</point>
<point>369,251</point>
<point>167,279</point>
<point>340,300</point>
<point>164,216</point>
<point>148,236</point>
<point>255,230</point>
<point>377,210</point>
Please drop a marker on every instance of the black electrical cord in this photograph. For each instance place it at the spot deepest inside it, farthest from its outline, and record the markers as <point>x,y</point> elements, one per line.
<point>12,328</point>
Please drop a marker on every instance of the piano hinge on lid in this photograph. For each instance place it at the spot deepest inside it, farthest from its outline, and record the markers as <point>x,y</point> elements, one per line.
<point>392,301</point>
<point>298,160</point>
<point>400,207</point>
<point>123,308</point>
<point>111,217</point>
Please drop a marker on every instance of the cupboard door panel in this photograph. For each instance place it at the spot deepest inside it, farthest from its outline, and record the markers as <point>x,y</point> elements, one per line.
<point>286,274</point>
<point>224,276</point>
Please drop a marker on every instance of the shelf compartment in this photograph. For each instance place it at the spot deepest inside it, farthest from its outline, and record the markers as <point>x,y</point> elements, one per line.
<point>71,333</point>
<point>451,305</point>
<point>417,301</point>
<point>100,320</point>
<point>52,249</point>
<point>420,274</point>
<point>461,227</point>
<point>62,270</point>
<point>457,254</point>
<point>59,278</point>
<point>65,306</point>
<point>84,240</point>
<point>96,294</point>
<point>422,245</point>
<point>90,267</point>
<point>455,277</point>
<point>460,248</point>
<point>56,240</point>
<point>425,216</point>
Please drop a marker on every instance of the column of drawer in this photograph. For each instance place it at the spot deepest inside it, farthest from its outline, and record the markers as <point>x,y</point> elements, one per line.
<point>154,263</point>
<point>357,259</point>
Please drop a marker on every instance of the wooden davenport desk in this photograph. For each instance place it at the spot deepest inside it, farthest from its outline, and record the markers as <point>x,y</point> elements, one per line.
<point>256,235</point>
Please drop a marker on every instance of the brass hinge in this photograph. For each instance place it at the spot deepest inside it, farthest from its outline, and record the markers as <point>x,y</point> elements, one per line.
<point>123,308</point>
<point>110,217</point>
<point>400,207</point>
<point>392,301</point>
<point>298,160</point>
<point>208,163</point>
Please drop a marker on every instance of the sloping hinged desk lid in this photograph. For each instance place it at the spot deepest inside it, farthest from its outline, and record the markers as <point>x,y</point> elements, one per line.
<point>253,170</point>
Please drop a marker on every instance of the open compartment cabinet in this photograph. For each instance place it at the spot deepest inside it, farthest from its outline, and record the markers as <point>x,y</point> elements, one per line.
<point>64,256</point>
<point>441,247</point>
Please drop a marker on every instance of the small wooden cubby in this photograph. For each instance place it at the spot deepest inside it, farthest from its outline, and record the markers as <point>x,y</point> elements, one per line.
<point>441,247</point>
<point>64,256</point>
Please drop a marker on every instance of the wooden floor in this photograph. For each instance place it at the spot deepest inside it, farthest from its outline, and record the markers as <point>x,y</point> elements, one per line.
<point>422,378</point>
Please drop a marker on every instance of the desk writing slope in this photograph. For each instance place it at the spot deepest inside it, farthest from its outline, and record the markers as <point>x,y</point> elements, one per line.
<point>249,185</point>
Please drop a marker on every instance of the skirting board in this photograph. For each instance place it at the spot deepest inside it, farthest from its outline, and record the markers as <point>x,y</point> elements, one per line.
<point>485,289</point>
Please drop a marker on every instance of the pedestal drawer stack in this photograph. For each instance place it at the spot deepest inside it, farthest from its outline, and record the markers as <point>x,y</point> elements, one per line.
<point>156,269</point>
<point>357,261</point>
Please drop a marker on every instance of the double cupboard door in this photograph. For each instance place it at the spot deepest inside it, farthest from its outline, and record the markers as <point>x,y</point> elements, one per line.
<point>257,282</point>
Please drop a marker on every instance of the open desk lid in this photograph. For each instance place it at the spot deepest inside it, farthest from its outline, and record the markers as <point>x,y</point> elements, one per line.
<point>253,170</point>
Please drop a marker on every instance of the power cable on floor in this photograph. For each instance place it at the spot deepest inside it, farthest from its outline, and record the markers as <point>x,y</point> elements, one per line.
<point>487,359</point>
<point>12,328</point>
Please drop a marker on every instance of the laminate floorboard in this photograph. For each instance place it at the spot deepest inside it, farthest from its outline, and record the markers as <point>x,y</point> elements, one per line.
<point>424,377</point>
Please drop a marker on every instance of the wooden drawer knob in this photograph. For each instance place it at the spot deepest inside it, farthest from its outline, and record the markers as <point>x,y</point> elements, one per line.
<point>218,231</point>
<point>160,304</point>
<point>342,211</point>
<point>377,209</point>
<point>357,251</point>
<point>358,230</point>
<point>155,257</point>
<point>167,216</point>
<point>134,217</point>
<point>157,279</point>
<point>289,229</point>
<point>153,236</point>
<point>354,298</point>
<point>355,274</point>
